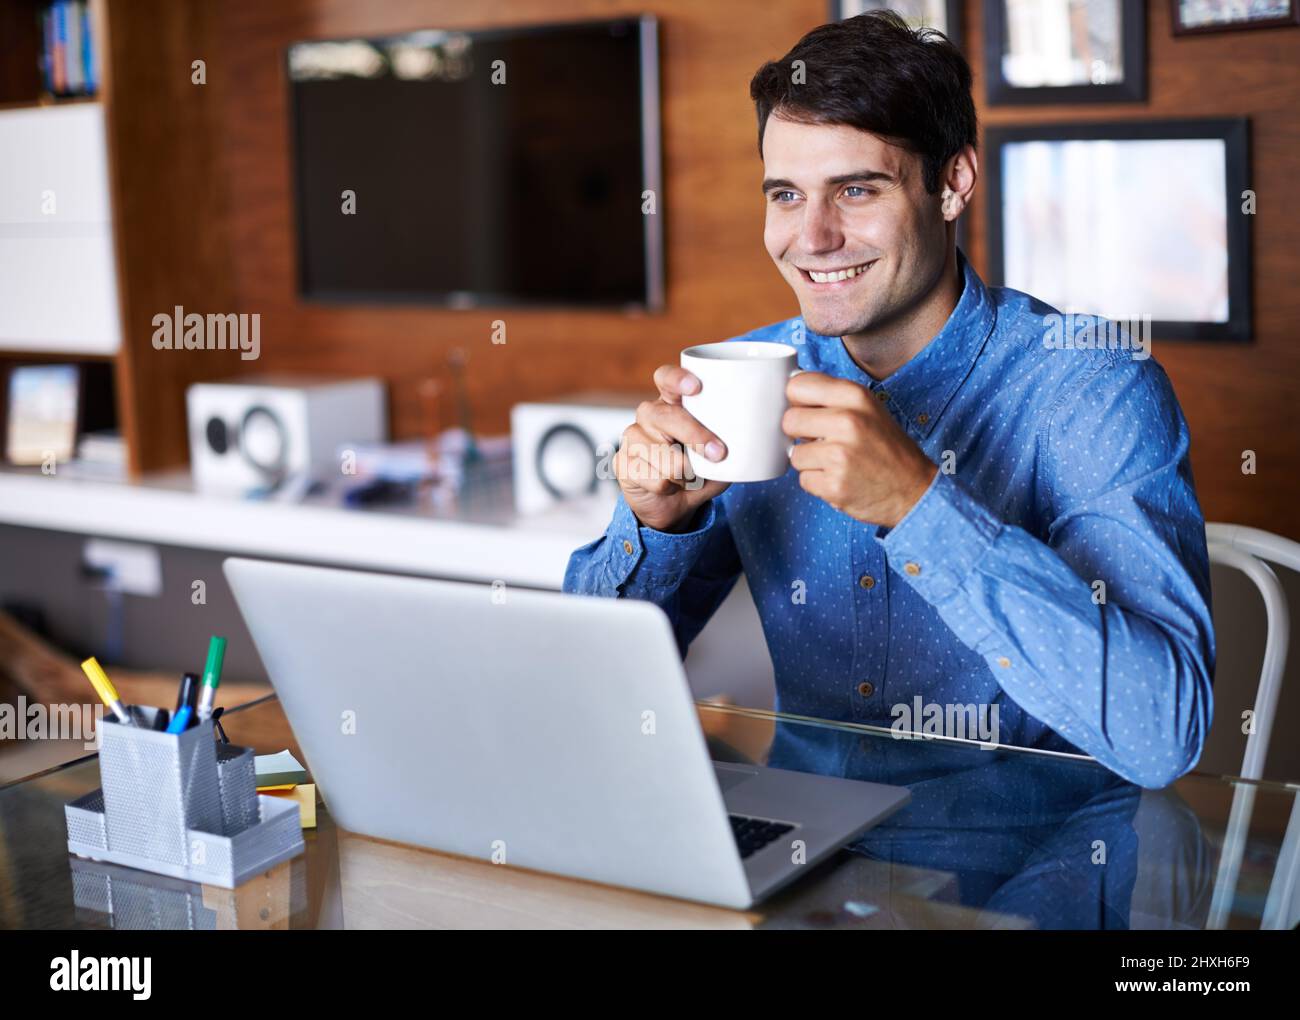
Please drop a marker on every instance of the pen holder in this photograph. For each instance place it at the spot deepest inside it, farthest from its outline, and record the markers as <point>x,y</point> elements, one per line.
<point>175,804</point>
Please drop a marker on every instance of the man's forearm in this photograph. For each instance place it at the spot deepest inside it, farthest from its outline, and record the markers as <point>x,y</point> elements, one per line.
<point>1130,686</point>
<point>687,573</point>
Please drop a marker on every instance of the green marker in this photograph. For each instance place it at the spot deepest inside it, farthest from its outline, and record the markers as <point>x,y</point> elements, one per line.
<point>211,676</point>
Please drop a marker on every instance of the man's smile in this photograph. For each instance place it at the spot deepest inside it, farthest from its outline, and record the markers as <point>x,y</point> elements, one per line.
<point>832,279</point>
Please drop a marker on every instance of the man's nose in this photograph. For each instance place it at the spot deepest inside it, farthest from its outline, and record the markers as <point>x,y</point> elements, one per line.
<point>821,230</point>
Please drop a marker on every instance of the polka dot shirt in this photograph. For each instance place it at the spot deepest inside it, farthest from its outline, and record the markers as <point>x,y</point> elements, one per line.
<point>1056,567</point>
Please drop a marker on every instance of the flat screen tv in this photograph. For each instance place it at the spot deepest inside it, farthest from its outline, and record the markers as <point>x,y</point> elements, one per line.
<point>484,168</point>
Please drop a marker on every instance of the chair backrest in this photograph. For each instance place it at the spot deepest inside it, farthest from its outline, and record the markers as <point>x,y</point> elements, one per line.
<point>1251,550</point>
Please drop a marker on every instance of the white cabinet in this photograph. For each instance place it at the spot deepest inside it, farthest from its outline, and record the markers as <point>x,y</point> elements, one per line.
<point>58,281</point>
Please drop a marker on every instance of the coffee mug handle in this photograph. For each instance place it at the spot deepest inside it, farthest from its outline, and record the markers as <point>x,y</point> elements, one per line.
<point>789,450</point>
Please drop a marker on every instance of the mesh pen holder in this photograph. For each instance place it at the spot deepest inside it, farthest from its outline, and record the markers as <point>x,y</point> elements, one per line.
<point>175,804</point>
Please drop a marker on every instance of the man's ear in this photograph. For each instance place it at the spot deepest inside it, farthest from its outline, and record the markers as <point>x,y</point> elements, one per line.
<point>959,179</point>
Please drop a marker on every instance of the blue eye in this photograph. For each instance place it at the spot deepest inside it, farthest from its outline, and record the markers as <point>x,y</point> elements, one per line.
<point>863,192</point>
<point>777,196</point>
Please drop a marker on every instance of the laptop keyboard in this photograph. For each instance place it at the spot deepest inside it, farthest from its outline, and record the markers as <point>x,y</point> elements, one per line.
<point>752,834</point>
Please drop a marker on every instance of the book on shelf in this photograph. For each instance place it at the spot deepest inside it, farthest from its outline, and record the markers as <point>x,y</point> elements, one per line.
<point>106,447</point>
<point>68,53</point>
<point>100,455</point>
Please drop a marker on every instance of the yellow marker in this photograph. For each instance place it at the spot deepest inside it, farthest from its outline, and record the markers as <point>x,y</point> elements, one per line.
<point>106,691</point>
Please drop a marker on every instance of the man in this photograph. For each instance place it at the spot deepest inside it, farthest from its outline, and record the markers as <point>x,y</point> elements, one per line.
<point>975,513</point>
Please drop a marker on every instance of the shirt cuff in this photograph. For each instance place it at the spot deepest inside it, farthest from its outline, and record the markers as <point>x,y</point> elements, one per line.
<point>940,540</point>
<point>662,556</point>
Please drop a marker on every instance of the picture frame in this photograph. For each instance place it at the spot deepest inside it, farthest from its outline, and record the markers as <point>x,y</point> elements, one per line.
<point>1181,12</point>
<point>1078,252</point>
<point>1115,35</point>
<point>914,12</point>
<point>42,417</point>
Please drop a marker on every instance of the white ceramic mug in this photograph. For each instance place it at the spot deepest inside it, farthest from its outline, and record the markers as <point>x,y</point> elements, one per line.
<point>741,401</point>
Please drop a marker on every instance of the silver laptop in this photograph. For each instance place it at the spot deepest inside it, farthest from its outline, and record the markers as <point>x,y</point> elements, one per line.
<point>535,729</point>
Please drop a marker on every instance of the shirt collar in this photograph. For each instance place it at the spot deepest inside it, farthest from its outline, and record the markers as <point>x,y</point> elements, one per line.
<point>919,391</point>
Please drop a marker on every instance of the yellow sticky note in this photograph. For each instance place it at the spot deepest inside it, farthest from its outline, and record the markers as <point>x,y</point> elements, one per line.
<point>305,795</point>
<point>276,789</point>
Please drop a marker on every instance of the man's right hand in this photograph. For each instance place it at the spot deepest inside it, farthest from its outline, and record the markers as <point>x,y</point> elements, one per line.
<point>651,463</point>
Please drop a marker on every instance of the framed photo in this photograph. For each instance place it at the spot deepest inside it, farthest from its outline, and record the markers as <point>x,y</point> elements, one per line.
<point>944,15</point>
<point>1194,17</point>
<point>1065,51</point>
<point>1131,220</point>
<point>43,410</point>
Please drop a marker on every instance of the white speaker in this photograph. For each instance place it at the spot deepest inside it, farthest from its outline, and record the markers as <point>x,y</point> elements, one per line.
<point>256,433</point>
<point>562,447</point>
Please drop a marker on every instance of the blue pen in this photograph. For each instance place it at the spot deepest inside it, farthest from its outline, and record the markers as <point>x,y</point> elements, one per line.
<point>180,720</point>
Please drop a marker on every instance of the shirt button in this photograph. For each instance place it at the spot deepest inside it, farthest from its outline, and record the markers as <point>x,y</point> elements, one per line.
<point>1003,661</point>
<point>866,688</point>
<point>867,581</point>
<point>912,568</point>
<point>922,418</point>
<point>627,546</point>
<point>882,395</point>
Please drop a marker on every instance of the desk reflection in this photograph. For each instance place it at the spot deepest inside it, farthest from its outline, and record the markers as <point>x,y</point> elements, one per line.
<point>1051,841</point>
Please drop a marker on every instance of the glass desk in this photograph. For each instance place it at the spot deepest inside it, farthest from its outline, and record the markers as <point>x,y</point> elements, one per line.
<point>993,838</point>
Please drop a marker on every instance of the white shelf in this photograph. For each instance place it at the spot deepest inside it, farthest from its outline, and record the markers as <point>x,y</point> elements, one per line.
<point>165,510</point>
<point>729,656</point>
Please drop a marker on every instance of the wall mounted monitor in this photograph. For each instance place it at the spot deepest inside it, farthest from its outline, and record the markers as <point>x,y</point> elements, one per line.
<point>485,168</point>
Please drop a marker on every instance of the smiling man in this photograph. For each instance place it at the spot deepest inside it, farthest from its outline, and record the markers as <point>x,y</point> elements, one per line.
<point>973,515</point>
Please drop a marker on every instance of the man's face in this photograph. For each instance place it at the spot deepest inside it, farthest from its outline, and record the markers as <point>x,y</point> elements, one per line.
<point>841,201</point>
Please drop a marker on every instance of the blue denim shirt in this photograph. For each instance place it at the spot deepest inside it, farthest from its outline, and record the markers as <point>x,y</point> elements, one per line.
<point>1056,567</point>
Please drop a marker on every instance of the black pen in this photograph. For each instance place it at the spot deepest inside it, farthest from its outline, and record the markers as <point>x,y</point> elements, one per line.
<point>189,692</point>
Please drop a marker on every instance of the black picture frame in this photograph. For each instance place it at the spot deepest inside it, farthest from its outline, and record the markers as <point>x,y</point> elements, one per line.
<point>1289,20</point>
<point>1133,46</point>
<point>951,8</point>
<point>1234,132</point>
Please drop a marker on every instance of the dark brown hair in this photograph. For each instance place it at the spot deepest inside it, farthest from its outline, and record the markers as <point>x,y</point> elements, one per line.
<point>909,86</point>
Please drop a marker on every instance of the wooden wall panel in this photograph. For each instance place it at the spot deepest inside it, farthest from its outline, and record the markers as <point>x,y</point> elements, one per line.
<point>720,281</point>
<point>169,214</point>
<point>1236,397</point>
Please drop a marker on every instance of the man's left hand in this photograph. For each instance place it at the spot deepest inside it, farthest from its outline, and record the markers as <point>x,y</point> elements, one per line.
<point>854,455</point>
